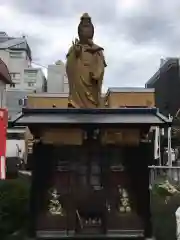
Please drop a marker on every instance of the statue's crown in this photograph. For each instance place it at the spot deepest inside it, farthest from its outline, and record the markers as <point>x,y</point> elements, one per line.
<point>85,16</point>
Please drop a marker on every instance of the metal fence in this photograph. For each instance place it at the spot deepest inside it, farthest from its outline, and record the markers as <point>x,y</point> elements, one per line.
<point>170,173</point>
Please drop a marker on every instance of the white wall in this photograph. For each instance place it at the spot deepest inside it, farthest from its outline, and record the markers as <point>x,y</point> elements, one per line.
<point>37,81</point>
<point>16,65</point>
<point>57,81</point>
<point>12,100</point>
<point>2,94</point>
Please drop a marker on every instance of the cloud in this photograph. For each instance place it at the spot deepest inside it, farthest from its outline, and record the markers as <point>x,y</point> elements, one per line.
<point>56,9</point>
<point>134,33</point>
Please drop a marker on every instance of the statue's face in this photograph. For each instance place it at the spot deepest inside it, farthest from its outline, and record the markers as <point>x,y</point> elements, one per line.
<point>86,30</point>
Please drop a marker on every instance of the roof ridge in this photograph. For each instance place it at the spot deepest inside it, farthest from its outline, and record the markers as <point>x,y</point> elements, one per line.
<point>12,42</point>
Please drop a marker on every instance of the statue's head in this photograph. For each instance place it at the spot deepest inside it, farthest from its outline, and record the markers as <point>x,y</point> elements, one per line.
<point>85,28</point>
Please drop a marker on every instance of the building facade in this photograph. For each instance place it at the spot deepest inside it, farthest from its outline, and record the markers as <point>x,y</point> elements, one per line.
<point>5,79</point>
<point>166,82</point>
<point>57,81</point>
<point>15,100</point>
<point>34,80</point>
<point>16,54</point>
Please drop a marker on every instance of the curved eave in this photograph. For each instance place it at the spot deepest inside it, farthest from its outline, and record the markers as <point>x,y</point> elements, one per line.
<point>4,73</point>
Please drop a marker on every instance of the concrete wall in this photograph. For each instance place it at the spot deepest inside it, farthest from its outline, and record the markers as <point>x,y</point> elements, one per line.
<point>37,82</point>
<point>57,81</point>
<point>2,94</point>
<point>16,65</point>
<point>12,100</point>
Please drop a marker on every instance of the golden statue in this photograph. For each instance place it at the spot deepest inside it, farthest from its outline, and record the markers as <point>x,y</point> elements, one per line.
<point>85,68</point>
<point>124,205</point>
<point>55,207</point>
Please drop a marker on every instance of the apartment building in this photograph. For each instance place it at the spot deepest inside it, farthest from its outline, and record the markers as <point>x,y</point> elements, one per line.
<point>16,54</point>
<point>4,80</point>
<point>34,80</point>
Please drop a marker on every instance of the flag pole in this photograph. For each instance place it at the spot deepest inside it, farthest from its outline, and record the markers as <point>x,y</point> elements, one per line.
<point>157,147</point>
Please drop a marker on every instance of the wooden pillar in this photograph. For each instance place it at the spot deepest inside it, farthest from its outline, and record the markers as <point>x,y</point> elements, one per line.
<point>136,162</point>
<point>145,157</point>
<point>41,172</point>
<point>34,190</point>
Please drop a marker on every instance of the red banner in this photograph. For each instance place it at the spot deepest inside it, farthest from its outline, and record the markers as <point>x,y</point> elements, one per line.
<point>3,129</point>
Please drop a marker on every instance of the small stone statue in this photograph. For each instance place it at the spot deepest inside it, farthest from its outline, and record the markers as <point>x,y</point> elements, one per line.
<point>85,68</point>
<point>55,207</point>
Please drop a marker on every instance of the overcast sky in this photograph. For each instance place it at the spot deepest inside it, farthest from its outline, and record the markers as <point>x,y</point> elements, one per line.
<point>134,33</point>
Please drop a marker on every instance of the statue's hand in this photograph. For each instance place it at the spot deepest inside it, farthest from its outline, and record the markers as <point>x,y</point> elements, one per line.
<point>93,77</point>
<point>77,47</point>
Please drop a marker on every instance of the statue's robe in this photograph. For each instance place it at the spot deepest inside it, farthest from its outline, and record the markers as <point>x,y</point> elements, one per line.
<point>85,74</point>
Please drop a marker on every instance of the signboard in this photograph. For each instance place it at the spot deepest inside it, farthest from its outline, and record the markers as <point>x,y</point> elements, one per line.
<point>3,129</point>
<point>62,136</point>
<point>129,137</point>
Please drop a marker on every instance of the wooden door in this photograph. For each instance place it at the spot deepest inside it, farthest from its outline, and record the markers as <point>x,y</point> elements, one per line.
<point>122,214</point>
<point>89,193</point>
<point>59,214</point>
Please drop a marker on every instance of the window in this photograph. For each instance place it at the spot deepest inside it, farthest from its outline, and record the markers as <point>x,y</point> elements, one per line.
<point>30,76</point>
<point>30,84</point>
<point>66,88</point>
<point>65,79</point>
<point>23,102</point>
<point>16,54</point>
<point>16,77</point>
<point>31,73</point>
<point>17,136</point>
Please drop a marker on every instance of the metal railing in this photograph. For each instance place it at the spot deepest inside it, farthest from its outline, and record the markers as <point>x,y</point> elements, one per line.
<point>166,172</point>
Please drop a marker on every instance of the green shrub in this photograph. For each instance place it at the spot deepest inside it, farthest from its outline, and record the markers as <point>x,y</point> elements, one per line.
<point>164,204</point>
<point>14,195</point>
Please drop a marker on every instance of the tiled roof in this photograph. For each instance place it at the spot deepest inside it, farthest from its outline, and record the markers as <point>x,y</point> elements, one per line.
<point>129,89</point>
<point>13,42</point>
<point>104,116</point>
<point>4,73</point>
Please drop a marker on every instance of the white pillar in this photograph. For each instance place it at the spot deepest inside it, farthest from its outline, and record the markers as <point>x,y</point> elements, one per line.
<point>157,145</point>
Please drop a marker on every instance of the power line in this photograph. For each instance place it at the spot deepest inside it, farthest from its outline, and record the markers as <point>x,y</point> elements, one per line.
<point>38,64</point>
<point>65,75</point>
